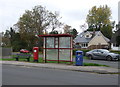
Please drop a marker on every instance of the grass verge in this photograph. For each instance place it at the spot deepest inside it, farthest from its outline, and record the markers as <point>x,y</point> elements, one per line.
<point>41,61</point>
<point>94,64</point>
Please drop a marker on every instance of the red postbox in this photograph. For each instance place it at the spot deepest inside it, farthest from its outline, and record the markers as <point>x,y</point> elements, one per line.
<point>35,53</point>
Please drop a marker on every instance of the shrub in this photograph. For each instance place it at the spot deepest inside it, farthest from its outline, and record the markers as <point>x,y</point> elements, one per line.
<point>84,51</point>
<point>114,51</point>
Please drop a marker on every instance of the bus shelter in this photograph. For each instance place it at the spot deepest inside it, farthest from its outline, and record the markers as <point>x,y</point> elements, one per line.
<point>57,47</point>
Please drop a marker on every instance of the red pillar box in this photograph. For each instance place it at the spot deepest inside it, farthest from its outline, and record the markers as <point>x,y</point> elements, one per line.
<point>35,53</point>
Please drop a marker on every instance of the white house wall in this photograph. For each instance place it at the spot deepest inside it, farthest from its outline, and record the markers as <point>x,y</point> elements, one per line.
<point>98,40</point>
<point>115,48</point>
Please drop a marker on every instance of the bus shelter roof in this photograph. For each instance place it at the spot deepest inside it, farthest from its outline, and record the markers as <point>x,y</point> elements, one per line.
<point>56,35</point>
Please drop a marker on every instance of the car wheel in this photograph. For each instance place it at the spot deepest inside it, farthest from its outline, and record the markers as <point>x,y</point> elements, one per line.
<point>109,58</point>
<point>90,57</point>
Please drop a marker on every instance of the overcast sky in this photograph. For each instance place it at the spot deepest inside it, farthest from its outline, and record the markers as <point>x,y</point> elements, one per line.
<point>73,12</point>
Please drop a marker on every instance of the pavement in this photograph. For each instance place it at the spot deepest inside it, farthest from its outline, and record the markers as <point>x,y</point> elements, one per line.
<point>91,69</point>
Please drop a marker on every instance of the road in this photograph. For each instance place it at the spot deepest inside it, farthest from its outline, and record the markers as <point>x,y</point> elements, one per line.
<point>21,75</point>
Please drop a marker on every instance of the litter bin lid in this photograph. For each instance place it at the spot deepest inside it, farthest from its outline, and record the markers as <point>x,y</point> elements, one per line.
<point>79,51</point>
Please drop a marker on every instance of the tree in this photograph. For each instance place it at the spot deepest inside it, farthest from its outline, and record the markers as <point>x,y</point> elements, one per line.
<point>118,40</point>
<point>73,32</point>
<point>98,19</point>
<point>6,39</point>
<point>54,32</point>
<point>118,31</point>
<point>66,28</point>
<point>12,39</point>
<point>69,30</point>
<point>55,21</point>
<point>118,26</point>
<point>11,33</point>
<point>35,22</point>
<point>83,27</point>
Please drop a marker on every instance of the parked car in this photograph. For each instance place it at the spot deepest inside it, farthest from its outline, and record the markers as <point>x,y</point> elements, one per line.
<point>102,54</point>
<point>24,51</point>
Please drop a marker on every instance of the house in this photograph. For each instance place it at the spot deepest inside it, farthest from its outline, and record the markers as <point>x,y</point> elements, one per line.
<point>91,40</point>
<point>114,44</point>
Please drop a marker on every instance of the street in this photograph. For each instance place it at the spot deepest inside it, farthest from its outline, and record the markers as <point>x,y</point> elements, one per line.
<point>21,75</point>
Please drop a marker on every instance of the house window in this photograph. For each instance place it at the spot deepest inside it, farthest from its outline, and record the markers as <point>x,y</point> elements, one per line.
<point>85,45</point>
<point>87,36</point>
<point>115,45</point>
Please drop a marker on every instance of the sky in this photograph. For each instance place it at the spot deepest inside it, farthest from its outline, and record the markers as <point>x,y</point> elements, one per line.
<point>73,12</point>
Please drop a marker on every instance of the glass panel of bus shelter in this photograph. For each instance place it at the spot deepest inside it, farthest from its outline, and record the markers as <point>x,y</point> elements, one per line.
<point>64,42</point>
<point>64,54</point>
<point>52,54</point>
<point>56,42</point>
<point>50,42</point>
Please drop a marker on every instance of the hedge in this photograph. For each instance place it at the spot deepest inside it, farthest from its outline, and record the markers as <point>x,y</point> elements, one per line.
<point>114,51</point>
<point>84,51</point>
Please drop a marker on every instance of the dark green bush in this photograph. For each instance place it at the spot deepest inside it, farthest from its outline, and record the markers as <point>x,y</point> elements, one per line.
<point>114,51</point>
<point>84,51</point>
<point>74,50</point>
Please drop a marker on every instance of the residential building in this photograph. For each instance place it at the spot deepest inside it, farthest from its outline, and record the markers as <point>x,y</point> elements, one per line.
<point>91,40</point>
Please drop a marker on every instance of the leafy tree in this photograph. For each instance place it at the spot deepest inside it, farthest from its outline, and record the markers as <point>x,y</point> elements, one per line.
<point>98,19</point>
<point>18,43</point>
<point>6,39</point>
<point>54,32</point>
<point>118,40</point>
<point>1,35</point>
<point>35,22</point>
<point>66,28</point>
<point>118,26</point>
<point>107,31</point>
<point>69,30</point>
<point>73,32</point>
<point>118,35</point>
<point>12,39</point>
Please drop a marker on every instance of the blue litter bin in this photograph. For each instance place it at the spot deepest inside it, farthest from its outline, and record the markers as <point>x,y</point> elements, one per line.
<point>79,58</point>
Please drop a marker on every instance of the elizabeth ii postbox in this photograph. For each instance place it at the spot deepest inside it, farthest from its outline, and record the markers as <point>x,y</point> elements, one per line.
<point>35,53</point>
